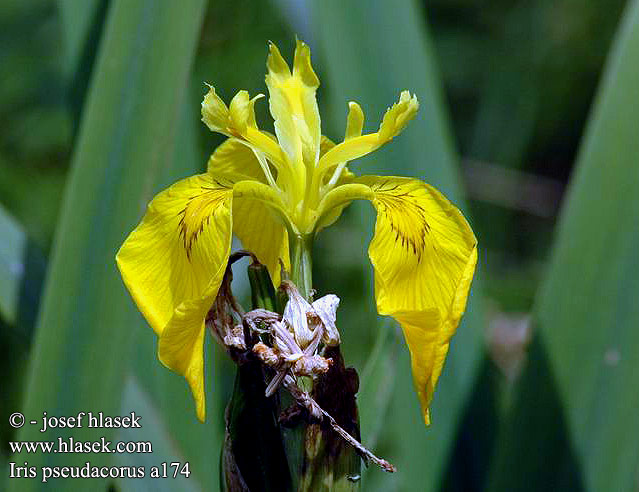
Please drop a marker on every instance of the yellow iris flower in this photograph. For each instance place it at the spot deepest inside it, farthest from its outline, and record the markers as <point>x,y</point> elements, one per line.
<point>267,189</point>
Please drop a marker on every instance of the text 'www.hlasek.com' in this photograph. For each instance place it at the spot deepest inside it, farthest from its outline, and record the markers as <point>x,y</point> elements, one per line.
<point>98,465</point>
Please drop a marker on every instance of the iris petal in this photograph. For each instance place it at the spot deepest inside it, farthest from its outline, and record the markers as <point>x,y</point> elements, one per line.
<point>257,225</point>
<point>235,160</point>
<point>293,105</point>
<point>263,233</point>
<point>173,263</point>
<point>424,255</point>
<point>176,251</point>
<point>239,121</point>
<point>354,146</point>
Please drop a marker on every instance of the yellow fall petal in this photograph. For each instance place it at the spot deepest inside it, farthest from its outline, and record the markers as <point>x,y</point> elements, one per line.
<point>181,346</point>
<point>421,331</point>
<point>421,241</point>
<point>179,246</point>
<point>424,255</point>
<point>262,233</point>
<point>173,264</point>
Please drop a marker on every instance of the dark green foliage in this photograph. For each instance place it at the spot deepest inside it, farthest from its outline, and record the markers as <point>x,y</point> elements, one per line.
<point>100,102</point>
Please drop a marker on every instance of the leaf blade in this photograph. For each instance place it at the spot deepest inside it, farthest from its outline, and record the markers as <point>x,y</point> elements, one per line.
<point>82,345</point>
<point>586,312</point>
<point>22,268</point>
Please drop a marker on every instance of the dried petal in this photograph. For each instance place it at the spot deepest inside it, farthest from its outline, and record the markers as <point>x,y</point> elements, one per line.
<point>326,309</point>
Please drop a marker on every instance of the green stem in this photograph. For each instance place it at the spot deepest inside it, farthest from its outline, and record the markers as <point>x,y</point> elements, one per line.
<point>300,247</point>
<point>329,463</point>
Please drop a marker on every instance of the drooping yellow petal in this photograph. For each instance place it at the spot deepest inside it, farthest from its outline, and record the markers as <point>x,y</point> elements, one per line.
<point>181,346</point>
<point>176,251</point>
<point>255,223</point>
<point>422,241</point>
<point>424,255</point>
<point>293,105</point>
<point>395,120</point>
<point>263,233</point>
<point>421,332</point>
<point>173,263</point>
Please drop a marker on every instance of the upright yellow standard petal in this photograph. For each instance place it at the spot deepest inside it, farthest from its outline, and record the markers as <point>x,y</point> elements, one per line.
<point>173,263</point>
<point>293,104</point>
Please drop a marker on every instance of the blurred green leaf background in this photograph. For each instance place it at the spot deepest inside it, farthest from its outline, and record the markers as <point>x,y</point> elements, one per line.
<point>529,122</point>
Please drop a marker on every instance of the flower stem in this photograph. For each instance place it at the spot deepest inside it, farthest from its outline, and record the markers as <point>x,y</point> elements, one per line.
<point>330,463</point>
<point>300,246</point>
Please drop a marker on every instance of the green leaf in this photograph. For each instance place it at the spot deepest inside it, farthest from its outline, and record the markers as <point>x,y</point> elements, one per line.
<point>22,268</point>
<point>77,19</point>
<point>378,378</point>
<point>156,432</point>
<point>83,343</point>
<point>82,24</point>
<point>370,52</point>
<point>193,441</point>
<point>580,388</point>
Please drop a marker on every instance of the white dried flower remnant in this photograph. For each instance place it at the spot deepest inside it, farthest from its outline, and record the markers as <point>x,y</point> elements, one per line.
<point>295,340</point>
<point>297,336</point>
<point>311,323</point>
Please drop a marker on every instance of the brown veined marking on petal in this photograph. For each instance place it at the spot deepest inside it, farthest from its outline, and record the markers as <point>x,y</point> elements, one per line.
<point>396,206</point>
<point>197,213</point>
